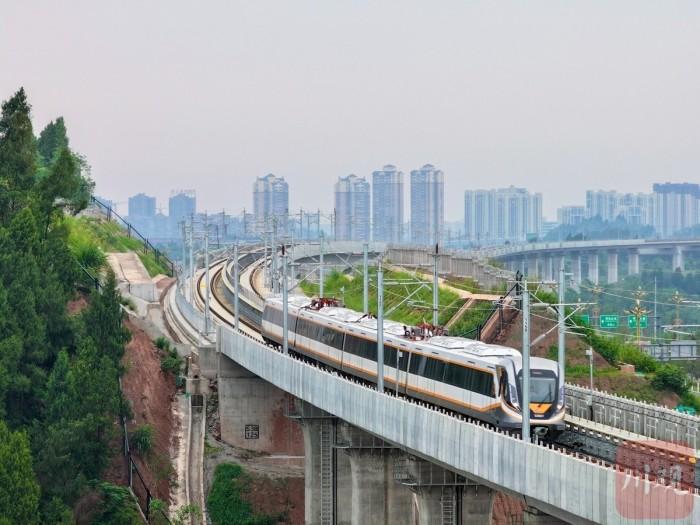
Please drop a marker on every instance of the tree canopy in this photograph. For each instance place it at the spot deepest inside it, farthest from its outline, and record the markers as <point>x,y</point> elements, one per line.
<point>59,373</point>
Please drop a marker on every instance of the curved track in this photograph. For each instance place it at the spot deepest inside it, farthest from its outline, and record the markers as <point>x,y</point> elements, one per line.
<point>582,438</point>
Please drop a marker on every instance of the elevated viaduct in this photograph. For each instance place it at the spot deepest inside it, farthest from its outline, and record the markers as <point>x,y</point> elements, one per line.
<point>371,457</point>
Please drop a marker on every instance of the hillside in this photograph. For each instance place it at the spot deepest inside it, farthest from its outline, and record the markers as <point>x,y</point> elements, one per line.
<point>88,231</point>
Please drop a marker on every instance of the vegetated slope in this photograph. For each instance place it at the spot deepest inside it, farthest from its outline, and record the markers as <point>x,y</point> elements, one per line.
<point>59,357</point>
<point>108,236</point>
<point>605,375</point>
<point>398,286</point>
<point>150,392</point>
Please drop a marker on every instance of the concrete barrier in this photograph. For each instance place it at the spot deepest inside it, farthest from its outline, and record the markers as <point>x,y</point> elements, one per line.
<point>564,486</point>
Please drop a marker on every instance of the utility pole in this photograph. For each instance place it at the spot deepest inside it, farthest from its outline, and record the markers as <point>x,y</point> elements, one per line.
<point>207,311</point>
<point>285,305</point>
<point>266,270</point>
<point>525,405</point>
<point>273,256</point>
<point>380,327</point>
<point>561,310</point>
<point>320,268</point>
<point>365,279</point>
<point>436,292</point>
<point>656,319</point>
<point>191,236</point>
<point>183,271</point>
<point>236,283</point>
<point>677,299</point>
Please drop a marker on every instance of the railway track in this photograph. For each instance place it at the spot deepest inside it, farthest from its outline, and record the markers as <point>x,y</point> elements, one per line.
<point>657,460</point>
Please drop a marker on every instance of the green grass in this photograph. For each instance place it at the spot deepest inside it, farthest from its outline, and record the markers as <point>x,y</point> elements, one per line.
<point>110,237</point>
<point>474,316</point>
<point>398,285</point>
<point>226,501</point>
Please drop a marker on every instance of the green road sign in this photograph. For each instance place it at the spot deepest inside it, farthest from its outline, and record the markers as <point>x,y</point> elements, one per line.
<point>609,321</point>
<point>632,321</point>
<point>585,319</point>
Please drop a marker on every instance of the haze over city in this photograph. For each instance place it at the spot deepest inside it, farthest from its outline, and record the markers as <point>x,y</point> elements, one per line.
<point>555,97</point>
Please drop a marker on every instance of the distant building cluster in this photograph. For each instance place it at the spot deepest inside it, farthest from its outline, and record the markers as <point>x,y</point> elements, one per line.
<point>509,214</point>
<point>365,210</point>
<point>145,216</point>
<point>670,208</point>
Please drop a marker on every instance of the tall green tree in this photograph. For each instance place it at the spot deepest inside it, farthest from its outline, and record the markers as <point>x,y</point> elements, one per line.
<point>19,490</point>
<point>104,318</point>
<point>17,155</point>
<point>52,140</point>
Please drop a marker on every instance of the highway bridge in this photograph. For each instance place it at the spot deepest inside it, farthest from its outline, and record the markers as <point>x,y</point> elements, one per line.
<point>370,456</point>
<point>543,259</point>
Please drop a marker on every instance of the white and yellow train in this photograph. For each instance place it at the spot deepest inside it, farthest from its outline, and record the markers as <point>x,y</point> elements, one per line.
<point>479,380</point>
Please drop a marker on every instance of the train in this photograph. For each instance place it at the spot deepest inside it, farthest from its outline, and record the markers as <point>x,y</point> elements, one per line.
<point>479,380</point>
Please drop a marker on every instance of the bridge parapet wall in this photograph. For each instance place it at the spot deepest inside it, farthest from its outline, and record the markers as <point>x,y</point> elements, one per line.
<point>569,488</point>
<point>652,421</point>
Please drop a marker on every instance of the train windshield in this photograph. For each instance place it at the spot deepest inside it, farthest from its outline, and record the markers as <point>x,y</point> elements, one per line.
<point>543,386</point>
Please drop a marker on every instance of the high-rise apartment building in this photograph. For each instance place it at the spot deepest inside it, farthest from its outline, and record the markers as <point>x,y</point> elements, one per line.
<point>271,203</point>
<point>635,208</point>
<point>427,205</point>
<point>677,206</point>
<point>387,204</point>
<point>141,205</point>
<point>182,204</point>
<point>508,214</point>
<point>571,215</point>
<point>352,208</point>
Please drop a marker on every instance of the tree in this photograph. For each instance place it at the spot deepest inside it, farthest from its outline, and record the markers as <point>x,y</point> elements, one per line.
<point>52,140</point>
<point>104,319</point>
<point>17,155</point>
<point>19,491</point>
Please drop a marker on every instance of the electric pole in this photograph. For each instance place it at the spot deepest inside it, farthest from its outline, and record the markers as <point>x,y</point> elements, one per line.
<point>365,279</point>
<point>561,310</point>
<point>436,290</point>
<point>236,284</point>
<point>320,267</point>
<point>380,327</point>
<point>525,405</point>
<point>285,305</point>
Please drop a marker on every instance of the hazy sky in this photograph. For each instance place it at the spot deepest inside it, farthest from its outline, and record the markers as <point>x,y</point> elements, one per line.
<point>554,96</point>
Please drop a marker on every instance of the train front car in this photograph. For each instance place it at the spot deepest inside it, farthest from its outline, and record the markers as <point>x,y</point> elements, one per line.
<point>546,396</point>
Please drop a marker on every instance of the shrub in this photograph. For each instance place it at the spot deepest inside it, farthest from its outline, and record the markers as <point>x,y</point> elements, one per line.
<point>673,378</point>
<point>89,256</point>
<point>171,362</point>
<point>162,343</point>
<point>142,439</point>
<point>226,503</point>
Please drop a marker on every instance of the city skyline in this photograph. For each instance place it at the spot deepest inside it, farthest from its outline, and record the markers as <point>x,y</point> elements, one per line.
<point>605,82</point>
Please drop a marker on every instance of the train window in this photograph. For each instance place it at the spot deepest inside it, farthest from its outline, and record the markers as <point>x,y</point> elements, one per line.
<point>332,337</point>
<point>417,365</point>
<point>456,375</point>
<point>434,369</point>
<point>361,347</point>
<point>390,357</point>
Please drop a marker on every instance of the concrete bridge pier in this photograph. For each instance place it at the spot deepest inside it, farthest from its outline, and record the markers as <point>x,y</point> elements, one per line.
<point>612,267</point>
<point>443,497</point>
<point>532,270</point>
<point>633,262</point>
<point>376,497</point>
<point>576,269</point>
<point>678,259</point>
<point>252,412</point>
<point>593,267</point>
<point>549,268</point>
